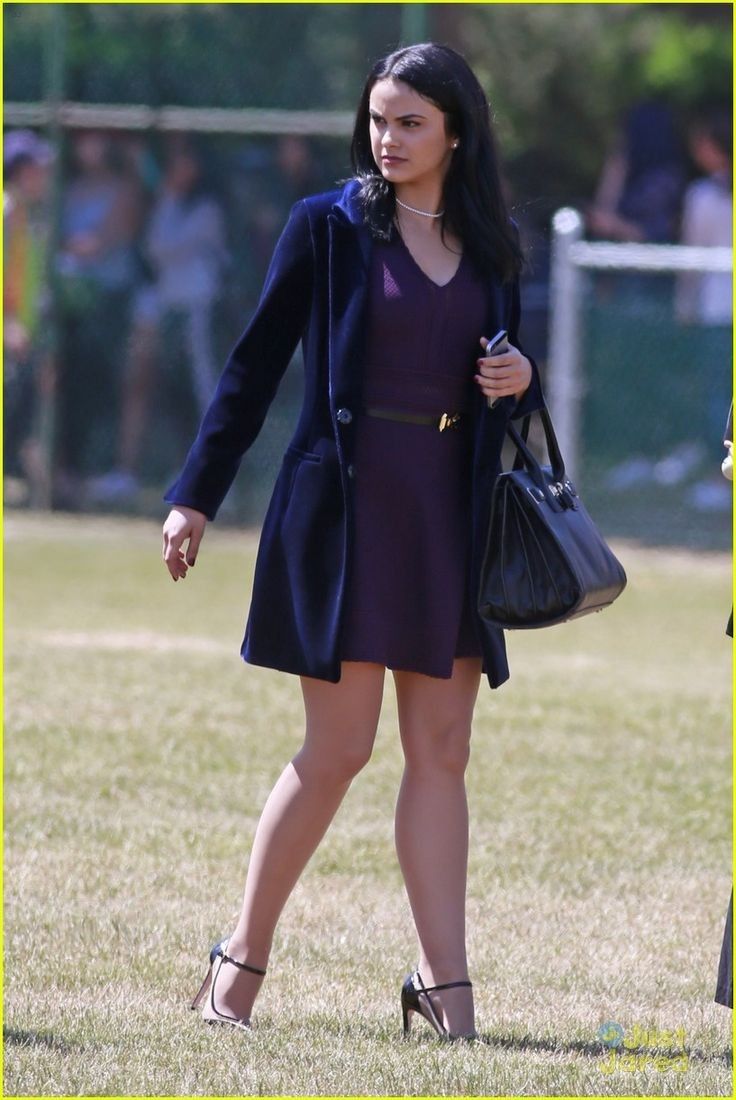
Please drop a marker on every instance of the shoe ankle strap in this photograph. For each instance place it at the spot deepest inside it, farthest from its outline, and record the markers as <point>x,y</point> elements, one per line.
<point>241,966</point>
<point>446,985</point>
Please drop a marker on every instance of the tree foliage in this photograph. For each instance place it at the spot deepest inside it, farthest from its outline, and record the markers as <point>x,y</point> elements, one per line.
<point>558,76</point>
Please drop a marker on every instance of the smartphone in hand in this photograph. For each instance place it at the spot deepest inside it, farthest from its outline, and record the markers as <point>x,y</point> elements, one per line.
<point>495,346</point>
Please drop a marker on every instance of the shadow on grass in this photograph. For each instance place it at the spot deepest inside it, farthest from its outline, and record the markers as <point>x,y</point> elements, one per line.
<point>423,1034</point>
<point>19,1037</point>
<point>596,1049</point>
<point>526,1044</point>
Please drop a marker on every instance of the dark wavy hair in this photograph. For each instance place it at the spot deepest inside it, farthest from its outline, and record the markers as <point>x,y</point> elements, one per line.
<point>475,209</point>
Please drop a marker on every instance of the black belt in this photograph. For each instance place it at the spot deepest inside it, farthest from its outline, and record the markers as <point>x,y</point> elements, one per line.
<point>445,420</point>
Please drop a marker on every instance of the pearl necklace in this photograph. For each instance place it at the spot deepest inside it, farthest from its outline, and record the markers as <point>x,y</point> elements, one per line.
<point>415,211</point>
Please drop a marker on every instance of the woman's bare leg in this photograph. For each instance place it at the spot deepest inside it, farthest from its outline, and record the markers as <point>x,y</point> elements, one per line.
<point>435,718</point>
<point>341,723</point>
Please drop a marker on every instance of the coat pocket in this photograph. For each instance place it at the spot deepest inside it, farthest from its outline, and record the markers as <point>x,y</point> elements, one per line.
<point>297,461</point>
<point>312,526</point>
<point>308,456</point>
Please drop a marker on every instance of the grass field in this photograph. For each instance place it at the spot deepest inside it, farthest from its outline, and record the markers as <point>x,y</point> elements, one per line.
<point>139,749</point>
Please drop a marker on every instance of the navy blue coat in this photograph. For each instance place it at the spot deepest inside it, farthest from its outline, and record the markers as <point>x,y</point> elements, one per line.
<point>316,290</point>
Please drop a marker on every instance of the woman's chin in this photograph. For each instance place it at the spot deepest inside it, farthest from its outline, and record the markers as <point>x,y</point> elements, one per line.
<point>392,169</point>
<point>396,175</point>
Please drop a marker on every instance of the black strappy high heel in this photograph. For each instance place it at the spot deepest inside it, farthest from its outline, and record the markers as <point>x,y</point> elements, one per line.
<point>217,958</point>
<point>414,988</point>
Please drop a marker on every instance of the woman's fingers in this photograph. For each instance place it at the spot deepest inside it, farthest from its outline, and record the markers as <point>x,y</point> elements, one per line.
<point>170,547</point>
<point>194,540</point>
<point>499,374</point>
<point>500,382</point>
<point>174,558</point>
<point>180,564</point>
<point>172,552</point>
<point>504,374</point>
<point>182,524</point>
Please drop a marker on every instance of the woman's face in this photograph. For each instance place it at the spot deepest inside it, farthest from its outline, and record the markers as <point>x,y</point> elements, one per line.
<point>181,173</point>
<point>708,156</point>
<point>405,125</point>
<point>90,151</point>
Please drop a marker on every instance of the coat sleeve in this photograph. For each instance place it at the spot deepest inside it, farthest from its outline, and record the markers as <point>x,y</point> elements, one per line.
<point>533,398</point>
<point>252,373</point>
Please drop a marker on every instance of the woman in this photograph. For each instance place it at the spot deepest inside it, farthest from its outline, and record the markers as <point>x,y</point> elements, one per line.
<point>100,219</point>
<point>184,248</point>
<point>369,551</point>
<point>724,981</point>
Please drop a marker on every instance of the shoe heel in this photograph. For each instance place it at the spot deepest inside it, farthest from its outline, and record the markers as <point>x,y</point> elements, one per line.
<point>412,988</point>
<point>218,957</point>
<point>203,989</point>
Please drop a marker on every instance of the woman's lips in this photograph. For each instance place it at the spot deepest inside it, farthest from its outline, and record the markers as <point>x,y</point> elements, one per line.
<point>392,160</point>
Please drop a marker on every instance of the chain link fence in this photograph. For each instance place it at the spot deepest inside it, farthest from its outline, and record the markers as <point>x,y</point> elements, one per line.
<point>640,382</point>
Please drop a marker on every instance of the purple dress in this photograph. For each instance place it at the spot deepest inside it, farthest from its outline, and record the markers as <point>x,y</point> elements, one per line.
<point>407,600</point>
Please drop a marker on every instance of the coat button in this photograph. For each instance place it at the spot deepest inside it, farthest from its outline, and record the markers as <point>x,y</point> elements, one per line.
<point>344,416</point>
<point>351,470</point>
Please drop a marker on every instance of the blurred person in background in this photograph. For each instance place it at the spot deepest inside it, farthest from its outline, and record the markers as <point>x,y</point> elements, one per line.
<point>102,212</point>
<point>286,172</point>
<point>26,163</point>
<point>704,299</point>
<point>185,254</point>
<point>639,193</point>
<point>296,171</point>
<point>724,979</point>
<point>707,218</point>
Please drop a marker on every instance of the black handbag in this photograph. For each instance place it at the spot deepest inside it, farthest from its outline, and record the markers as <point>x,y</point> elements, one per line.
<point>545,561</point>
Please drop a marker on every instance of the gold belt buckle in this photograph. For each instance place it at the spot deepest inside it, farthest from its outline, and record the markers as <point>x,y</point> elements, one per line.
<point>447,420</point>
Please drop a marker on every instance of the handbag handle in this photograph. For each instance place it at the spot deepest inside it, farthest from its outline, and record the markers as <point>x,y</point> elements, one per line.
<point>524,456</point>
<point>518,457</point>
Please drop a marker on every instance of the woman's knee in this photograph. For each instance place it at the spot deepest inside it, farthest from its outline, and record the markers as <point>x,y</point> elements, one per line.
<point>338,761</point>
<point>341,722</point>
<point>435,717</point>
<point>437,747</point>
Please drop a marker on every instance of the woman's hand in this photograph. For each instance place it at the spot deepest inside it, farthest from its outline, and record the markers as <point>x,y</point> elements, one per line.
<point>504,375</point>
<point>182,523</point>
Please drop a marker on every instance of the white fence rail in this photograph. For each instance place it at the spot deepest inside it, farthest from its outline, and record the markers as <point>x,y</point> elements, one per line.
<point>210,120</point>
<point>570,257</point>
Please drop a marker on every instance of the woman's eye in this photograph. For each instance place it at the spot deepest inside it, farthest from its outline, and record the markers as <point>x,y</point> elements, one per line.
<point>407,121</point>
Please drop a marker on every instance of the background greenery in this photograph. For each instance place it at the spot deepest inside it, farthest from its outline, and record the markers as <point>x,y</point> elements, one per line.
<point>140,749</point>
<point>558,75</point>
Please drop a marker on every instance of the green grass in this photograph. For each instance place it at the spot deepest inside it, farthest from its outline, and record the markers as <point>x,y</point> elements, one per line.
<point>139,749</point>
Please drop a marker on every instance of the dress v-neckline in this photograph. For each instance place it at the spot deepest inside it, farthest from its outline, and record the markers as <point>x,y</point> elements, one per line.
<point>439,286</point>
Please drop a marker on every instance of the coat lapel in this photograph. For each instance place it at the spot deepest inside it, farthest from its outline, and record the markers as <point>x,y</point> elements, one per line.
<point>350,245</point>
